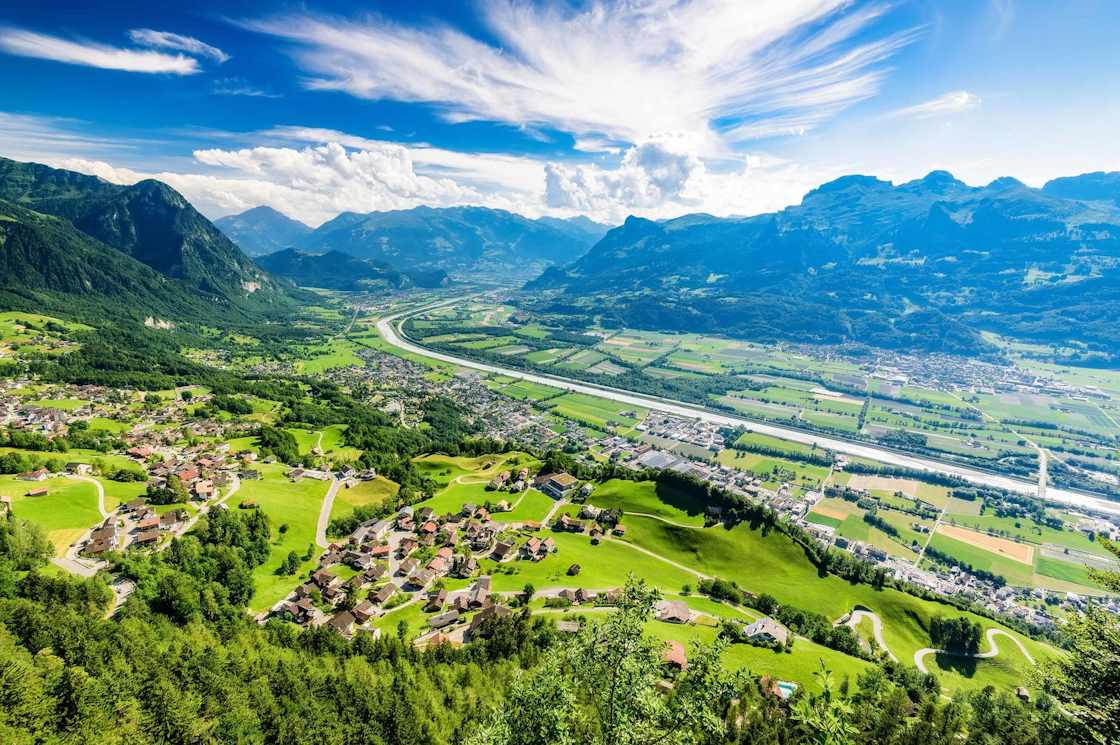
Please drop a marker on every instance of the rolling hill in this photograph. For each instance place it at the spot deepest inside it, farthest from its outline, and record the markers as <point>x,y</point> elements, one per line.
<point>925,265</point>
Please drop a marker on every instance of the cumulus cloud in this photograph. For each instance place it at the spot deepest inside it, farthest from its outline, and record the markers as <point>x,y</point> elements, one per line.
<point>953,102</point>
<point>147,37</point>
<point>650,175</point>
<point>42,46</point>
<point>622,71</point>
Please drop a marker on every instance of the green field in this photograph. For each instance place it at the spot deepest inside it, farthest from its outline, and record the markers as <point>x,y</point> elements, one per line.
<point>67,511</point>
<point>294,504</point>
<point>597,412</point>
<point>374,491</point>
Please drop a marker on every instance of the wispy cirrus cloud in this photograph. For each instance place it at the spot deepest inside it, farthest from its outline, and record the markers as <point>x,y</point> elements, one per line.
<point>240,87</point>
<point>92,54</point>
<point>167,40</point>
<point>722,69</point>
<point>953,102</point>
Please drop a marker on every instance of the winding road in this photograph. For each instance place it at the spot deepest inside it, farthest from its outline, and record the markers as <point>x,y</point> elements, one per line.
<point>876,628</point>
<point>388,327</point>
<point>919,656</point>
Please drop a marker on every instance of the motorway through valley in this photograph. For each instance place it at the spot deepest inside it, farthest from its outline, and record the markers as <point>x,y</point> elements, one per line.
<point>389,328</point>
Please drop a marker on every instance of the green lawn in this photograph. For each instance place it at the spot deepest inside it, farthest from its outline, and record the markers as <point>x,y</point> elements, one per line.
<point>533,505</point>
<point>597,412</point>
<point>374,491</point>
<point>649,498</point>
<point>67,511</point>
<point>294,504</point>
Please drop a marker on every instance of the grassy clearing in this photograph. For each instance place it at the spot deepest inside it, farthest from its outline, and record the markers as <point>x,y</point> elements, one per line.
<point>65,512</point>
<point>294,504</point>
<point>648,498</point>
<point>374,491</point>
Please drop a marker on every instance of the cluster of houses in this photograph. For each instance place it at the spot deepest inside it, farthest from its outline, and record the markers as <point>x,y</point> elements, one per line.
<point>505,482</point>
<point>134,525</point>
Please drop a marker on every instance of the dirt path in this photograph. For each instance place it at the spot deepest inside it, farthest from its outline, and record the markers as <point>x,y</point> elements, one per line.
<point>919,656</point>
<point>325,514</point>
<point>659,557</point>
<point>555,506</point>
<point>665,520</point>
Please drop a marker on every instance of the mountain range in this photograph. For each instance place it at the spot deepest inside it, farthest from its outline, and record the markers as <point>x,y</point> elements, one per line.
<point>130,250</point>
<point>925,265</point>
<point>335,270</point>
<point>466,242</point>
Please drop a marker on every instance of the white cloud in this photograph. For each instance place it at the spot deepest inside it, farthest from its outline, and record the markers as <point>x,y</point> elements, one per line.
<point>41,46</point>
<point>953,102</point>
<point>147,37</point>
<point>240,87</point>
<point>622,71</point>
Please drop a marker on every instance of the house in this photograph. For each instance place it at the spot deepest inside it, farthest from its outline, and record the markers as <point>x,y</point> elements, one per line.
<point>480,593</point>
<point>766,630</point>
<point>425,514</point>
<point>675,656</point>
<point>134,504</point>
<point>436,601</point>
<point>364,611</point>
<point>502,550</point>
<point>407,546</point>
<point>342,622</point>
<point>419,578</point>
<point>381,552</point>
<point>359,560</point>
<point>146,538</point>
<point>324,579</point>
<point>461,603</point>
<point>478,623</point>
<point>384,594</point>
<point>301,611</point>
<point>436,565</point>
<point>374,573</point>
<point>148,523</point>
<point>39,474</point>
<point>568,595</point>
<point>560,485</point>
<point>444,620</point>
<point>674,612</point>
<point>170,520</point>
<point>408,566</point>
<point>79,469</point>
<point>570,524</point>
<point>464,566</point>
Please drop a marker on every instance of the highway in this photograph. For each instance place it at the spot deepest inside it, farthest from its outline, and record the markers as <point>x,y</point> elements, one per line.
<point>389,329</point>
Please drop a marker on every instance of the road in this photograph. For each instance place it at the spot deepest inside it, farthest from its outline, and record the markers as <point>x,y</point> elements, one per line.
<point>876,628</point>
<point>387,327</point>
<point>100,494</point>
<point>919,656</point>
<point>325,514</point>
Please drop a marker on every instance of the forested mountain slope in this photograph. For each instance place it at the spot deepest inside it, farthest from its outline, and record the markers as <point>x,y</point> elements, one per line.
<point>923,265</point>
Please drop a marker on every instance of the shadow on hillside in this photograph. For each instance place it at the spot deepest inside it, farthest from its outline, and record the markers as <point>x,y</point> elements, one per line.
<point>965,666</point>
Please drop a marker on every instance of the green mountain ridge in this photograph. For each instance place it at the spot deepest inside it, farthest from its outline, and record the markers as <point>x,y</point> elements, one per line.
<point>462,241</point>
<point>336,270</point>
<point>925,265</point>
<point>149,221</point>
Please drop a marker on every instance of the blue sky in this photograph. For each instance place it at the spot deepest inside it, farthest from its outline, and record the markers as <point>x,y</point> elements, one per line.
<point>657,107</point>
